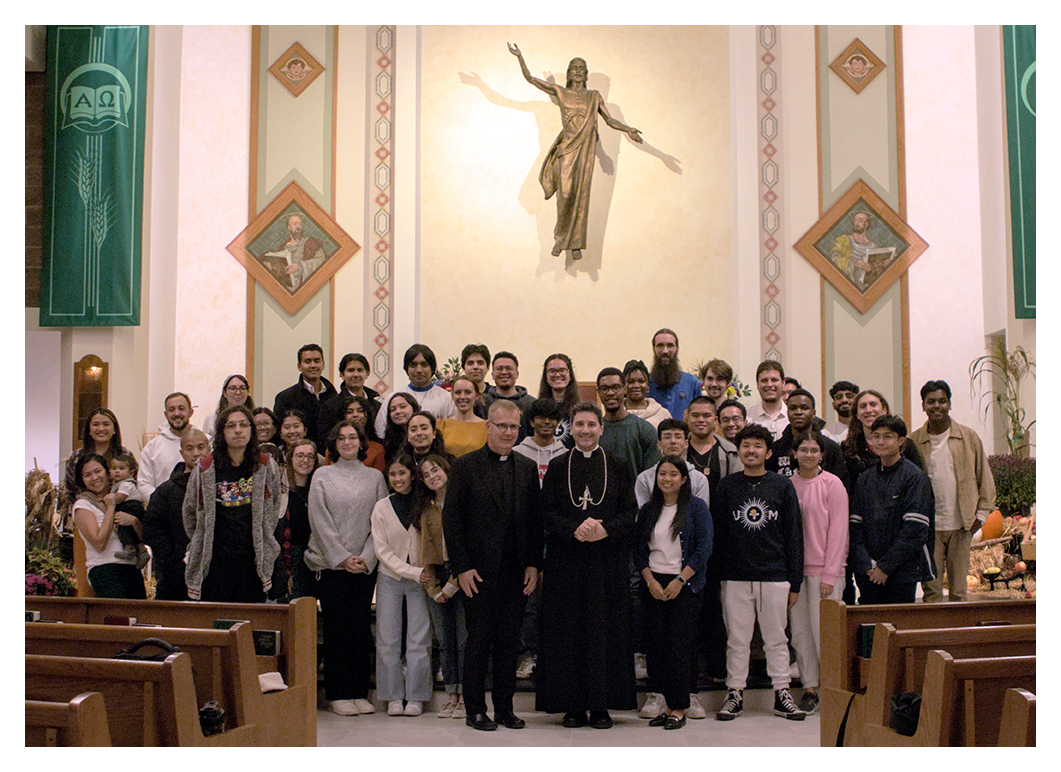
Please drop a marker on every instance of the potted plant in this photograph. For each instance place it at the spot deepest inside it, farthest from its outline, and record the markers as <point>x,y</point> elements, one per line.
<point>1009,369</point>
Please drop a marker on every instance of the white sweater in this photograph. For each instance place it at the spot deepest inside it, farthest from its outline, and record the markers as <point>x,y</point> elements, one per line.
<point>397,547</point>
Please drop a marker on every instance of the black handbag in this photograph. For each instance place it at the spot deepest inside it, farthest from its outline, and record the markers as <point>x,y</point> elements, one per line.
<point>134,653</point>
<point>905,712</point>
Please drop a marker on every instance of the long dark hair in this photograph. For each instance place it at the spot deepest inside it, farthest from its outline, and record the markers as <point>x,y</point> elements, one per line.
<point>422,495</point>
<point>223,402</point>
<point>567,404</point>
<point>275,438</point>
<point>333,437</point>
<point>87,443</point>
<point>438,445</point>
<point>80,467</point>
<point>654,507</point>
<point>347,399</point>
<point>222,460</point>
<point>855,443</point>
<point>394,436</point>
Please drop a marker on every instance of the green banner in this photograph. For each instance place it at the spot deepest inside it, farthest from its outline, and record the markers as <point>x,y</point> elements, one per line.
<point>94,175</point>
<point>1019,54</point>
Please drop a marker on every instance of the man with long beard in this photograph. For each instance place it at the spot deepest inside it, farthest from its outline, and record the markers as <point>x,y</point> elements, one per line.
<point>668,385</point>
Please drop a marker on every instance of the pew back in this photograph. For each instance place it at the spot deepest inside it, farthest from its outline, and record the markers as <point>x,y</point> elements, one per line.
<point>1018,719</point>
<point>80,722</point>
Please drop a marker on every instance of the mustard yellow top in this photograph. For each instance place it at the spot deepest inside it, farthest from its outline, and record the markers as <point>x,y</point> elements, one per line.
<point>462,436</point>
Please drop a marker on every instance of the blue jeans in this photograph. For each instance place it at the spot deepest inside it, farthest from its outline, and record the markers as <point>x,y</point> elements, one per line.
<point>452,633</point>
<point>416,686</point>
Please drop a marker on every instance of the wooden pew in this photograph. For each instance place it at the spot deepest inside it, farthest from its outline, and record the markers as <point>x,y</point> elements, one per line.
<point>845,676</point>
<point>962,700</point>
<point>1018,719</point>
<point>223,664</point>
<point>80,722</point>
<point>148,703</point>
<point>291,715</point>
<point>899,658</point>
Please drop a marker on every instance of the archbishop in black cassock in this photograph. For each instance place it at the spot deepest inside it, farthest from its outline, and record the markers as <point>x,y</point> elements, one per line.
<point>586,658</point>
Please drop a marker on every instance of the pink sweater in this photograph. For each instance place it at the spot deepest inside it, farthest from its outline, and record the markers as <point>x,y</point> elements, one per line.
<point>823,505</point>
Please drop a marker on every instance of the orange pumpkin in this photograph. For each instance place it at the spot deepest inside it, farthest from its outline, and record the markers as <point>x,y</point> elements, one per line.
<point>992,526</point>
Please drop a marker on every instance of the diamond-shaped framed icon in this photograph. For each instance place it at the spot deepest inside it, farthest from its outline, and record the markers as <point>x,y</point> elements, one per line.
<point>292,248</point>
<point>861,246</point>
<point>296,69</point>
<point>857,66</point>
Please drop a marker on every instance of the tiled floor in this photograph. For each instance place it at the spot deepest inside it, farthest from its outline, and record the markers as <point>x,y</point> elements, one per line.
<point>758,727</point>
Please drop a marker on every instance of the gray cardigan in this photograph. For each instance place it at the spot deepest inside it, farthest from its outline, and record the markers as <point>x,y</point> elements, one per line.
<point>200,512</point>
<point>341,498</point>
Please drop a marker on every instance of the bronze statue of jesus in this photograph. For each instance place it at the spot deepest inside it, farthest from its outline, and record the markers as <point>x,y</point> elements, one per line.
<point>568,168</point>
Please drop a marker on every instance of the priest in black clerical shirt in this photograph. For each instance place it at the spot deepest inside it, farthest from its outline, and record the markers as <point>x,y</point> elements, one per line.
<point>586,658</point>
<point>494,538</point>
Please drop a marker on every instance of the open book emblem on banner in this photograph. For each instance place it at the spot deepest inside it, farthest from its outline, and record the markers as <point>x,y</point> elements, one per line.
<point>95,98</point>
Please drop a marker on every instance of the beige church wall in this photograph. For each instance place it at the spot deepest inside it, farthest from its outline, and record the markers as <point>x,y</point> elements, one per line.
<point>946,300</point>
<point>660,232</point>
<point>211,287</point>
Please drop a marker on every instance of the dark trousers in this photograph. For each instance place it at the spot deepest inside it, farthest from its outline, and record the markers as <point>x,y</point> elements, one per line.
<point>117,580</point>
<point>232,581</point>
<point>671,634</point>
<point>494,615</point>
<point>712,626</point>
<point>889,592</point>
<point>346,625</point>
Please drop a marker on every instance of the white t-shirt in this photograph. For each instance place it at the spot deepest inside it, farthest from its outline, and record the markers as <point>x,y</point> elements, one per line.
<point>93,557</point>
<point>944,483</point>
<point>664,551</point>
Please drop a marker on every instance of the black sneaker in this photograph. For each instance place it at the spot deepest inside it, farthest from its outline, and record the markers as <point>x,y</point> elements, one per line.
<point>808,703</point>
<point>785,706</point>
<point>732,707</point>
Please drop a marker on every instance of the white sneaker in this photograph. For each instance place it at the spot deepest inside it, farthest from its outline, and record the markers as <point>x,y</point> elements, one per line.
<point>438,676</point>
<point>365,706</point>
<point>654,705</point>
<point>413,708</point>
<point>343,707</point>
<point>459,711</point>
<point>446,711</point>
<point>640,666</point>
<point>394,708</point>
<point>695,709</point>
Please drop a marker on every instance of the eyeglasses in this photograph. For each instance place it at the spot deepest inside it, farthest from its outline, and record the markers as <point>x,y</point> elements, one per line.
<point>557,371</point>
<point>238,425</point>
<point>304,456</point>
<point>506,427</point>
<point>504,369</point>
<point>610,389</point>
<point>237,389</point>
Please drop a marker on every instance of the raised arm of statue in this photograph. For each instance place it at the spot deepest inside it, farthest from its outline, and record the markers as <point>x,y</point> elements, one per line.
<point>537,82</point>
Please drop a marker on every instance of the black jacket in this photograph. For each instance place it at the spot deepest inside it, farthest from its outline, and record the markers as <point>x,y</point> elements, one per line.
<point>164,534</point>
<point>332,412</point>
<point>298,397</point>
<point>475,521</point>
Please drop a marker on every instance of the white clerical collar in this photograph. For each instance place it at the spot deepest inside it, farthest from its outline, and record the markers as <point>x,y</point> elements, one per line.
<point>587,453</point>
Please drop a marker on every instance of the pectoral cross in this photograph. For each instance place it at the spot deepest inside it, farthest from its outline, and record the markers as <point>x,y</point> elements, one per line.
<point>586,500</point>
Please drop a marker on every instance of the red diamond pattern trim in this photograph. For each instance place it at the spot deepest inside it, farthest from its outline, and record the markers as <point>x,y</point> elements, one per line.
<point>769,103</point>
<point>381,293</point>
<point>383,62</point>
<point>772,291</point>
<point>383,108</point>
<point>768,58</point>
<point>770,197</point>
<point>769,151</point>
<point>382,199</point>
<point>382,153</point>
<point>382,246</point>
<point>381,340</point>
<point>381,386</point>
<point>773,338</point>
<point>771,244</point>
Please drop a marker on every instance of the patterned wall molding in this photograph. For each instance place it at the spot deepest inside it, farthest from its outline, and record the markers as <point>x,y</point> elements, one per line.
<point>770,159</point>
<point>380,197</point>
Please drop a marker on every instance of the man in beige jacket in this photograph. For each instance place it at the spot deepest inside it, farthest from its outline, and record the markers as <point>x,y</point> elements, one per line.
<point>962,484</point>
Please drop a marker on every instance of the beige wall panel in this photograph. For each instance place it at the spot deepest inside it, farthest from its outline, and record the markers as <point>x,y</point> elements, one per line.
<point>946,316</point>
<point>350,314</point>
<point>286,335</point>
<point>659,251</point>
<point>296,128</point>
<point>211,285</point>
<point>877,366</point>
<point>856,136</point>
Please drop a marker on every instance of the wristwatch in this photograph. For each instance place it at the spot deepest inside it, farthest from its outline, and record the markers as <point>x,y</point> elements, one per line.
<point>682,579</point>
